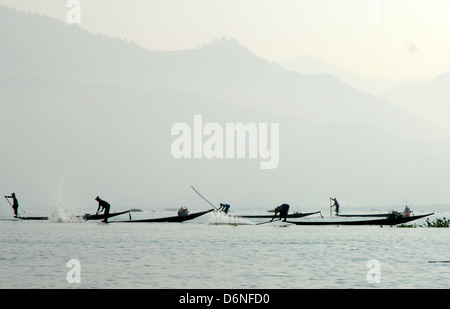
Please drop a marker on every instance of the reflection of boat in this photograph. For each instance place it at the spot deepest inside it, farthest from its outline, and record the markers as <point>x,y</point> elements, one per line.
<point>170,219</point>
<point>103,216</point>
<point>294,215</point>
<point>393,220</point>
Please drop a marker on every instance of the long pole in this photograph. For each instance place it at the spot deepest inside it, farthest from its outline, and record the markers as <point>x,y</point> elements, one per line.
<point>331,213</point>
<point>8,201</point>
<point>11,206</point>
<point>204,198</point>
<point>266,222</point>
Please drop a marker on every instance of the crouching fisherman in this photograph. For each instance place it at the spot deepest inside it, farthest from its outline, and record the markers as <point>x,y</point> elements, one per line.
<point>282,210</point>
<point>183,212</point>
<point>103,206</point>
<point>407,212</point>
<point>224,207</point>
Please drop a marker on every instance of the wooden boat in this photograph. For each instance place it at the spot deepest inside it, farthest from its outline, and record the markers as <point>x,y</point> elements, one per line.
<point>385,221</point>
<point>32,218</point>
<point>293,215</point>
<point>169,219</point>
<point>363,215</point>
<point>103,216</point>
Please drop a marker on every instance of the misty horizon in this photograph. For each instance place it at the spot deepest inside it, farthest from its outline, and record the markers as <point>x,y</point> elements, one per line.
<point>87,114</point>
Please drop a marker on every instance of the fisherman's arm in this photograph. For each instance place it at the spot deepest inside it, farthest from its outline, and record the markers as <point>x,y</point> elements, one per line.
<point>274,216</point>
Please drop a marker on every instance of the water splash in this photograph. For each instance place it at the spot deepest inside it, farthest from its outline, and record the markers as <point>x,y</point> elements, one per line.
<point>220,218</point>
<point>65,215</point>
<point>62,205</point>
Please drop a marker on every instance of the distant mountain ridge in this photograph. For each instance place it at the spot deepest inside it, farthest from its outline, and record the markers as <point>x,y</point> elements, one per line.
<point>309,64</point>
<point>430,99</point>
<point>95,113</point>
<point>223,69</point>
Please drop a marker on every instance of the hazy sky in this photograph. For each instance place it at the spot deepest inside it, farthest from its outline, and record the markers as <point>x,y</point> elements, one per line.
<point>386,38</point>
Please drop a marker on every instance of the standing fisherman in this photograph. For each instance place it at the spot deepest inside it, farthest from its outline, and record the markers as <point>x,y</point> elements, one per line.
<point>15,204</point>
<point>336,204</point>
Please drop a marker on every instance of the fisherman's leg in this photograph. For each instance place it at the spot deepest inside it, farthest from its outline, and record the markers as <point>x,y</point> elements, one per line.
<point>106,215</point>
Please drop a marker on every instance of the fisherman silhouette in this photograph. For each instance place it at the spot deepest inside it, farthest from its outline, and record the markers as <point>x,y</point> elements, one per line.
<point>183,211</point>
<point>15,204</point>
<point>224,207</point>
<point>336,204</point>
<point>407,212</point>
<point>104,207</point>
<point>283,210</point>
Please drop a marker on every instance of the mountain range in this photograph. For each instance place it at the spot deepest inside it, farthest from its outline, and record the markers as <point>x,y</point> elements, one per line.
<point>429,99</point>
<point>309,64</point>
<point>86,115</point>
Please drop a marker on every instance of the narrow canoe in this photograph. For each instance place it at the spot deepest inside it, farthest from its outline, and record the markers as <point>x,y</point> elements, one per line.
<point>386,221</point>
<point>363,215</point>
<point>294,215</point>
<point>32,218</point>
<point>169,219</point>
<point>103,216</point>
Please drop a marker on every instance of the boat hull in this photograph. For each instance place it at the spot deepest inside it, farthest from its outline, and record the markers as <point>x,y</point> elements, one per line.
<point>363,215</point>
<point>103,216</point>
<point>387,221</point>
<point>294,215</point>
<point>169,219</point>
<point>33,218</point>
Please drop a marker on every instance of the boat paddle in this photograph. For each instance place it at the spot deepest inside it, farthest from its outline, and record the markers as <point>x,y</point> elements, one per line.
<point>331,213</point>
<point>267,222</point>
<point>6,198</point>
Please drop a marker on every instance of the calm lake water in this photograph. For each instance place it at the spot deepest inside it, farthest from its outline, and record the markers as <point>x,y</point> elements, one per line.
<point>199,255</point>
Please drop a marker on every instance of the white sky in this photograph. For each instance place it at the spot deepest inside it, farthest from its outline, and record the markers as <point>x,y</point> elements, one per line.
<point>411,39</point>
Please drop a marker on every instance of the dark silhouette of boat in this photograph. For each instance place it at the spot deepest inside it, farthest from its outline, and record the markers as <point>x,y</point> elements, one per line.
<point>363,215</point>
<point>391,220</point>
<point>293,215</point>
<point>103,216</point>
<point>32,218</point>
<point>169,219</point>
